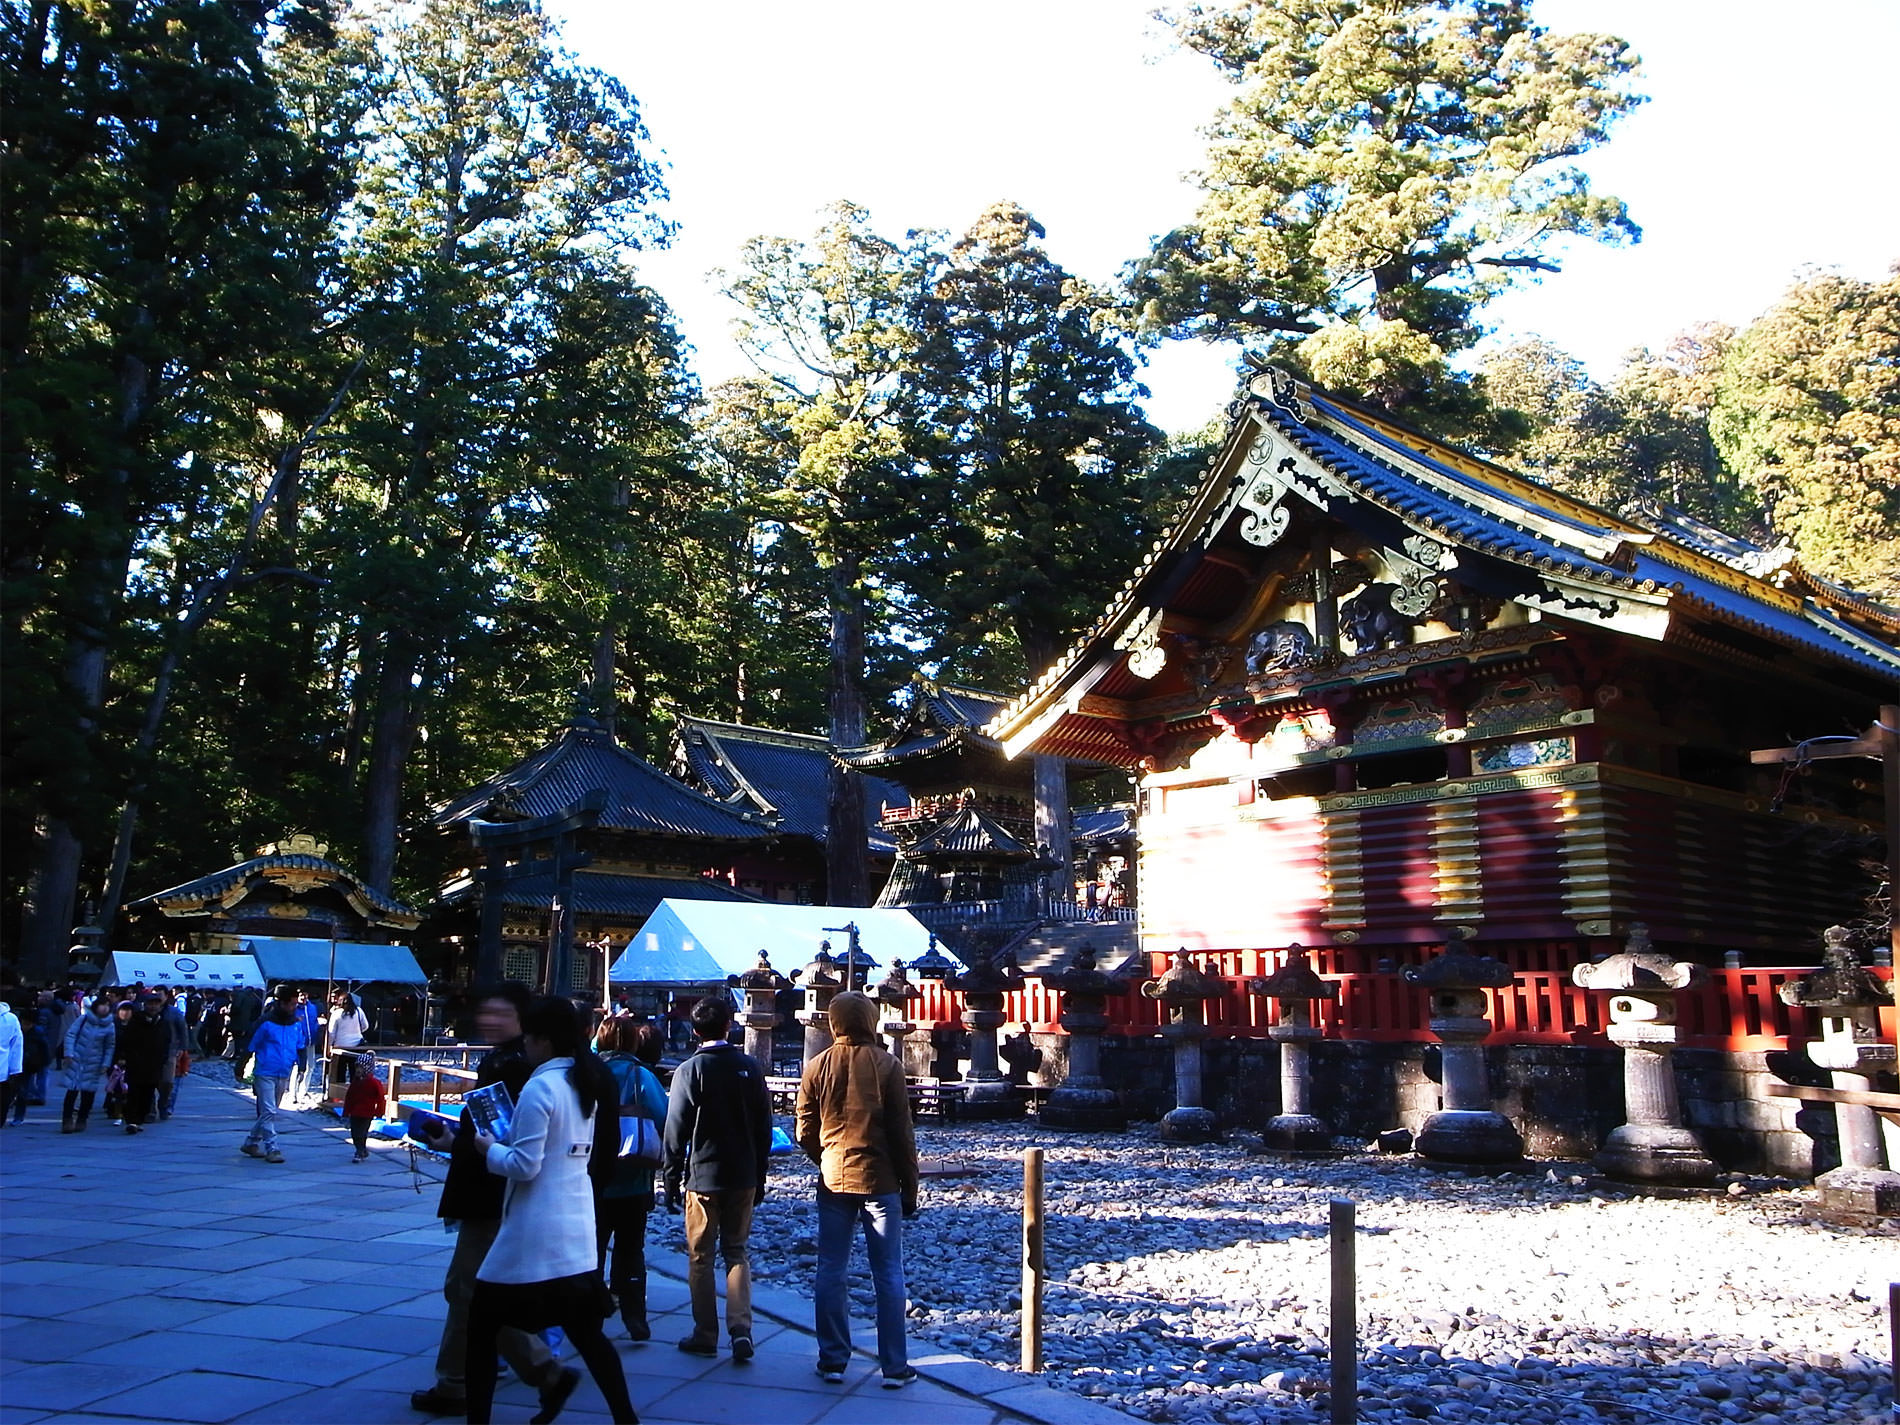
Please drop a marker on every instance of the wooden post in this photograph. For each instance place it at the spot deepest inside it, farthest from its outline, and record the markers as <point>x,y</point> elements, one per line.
<point>1032,1259</point>
<point>1344,1346</point>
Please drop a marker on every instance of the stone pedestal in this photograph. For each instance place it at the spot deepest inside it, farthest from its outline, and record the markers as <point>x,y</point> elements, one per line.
<point>1295,1128</point>
<point>1652,1145</point>
<point>1467,1129</point>
<point>1851,1049</point>
<point>1083,1101</point>
<point>987,1092</point>
<point>760,985</point>
<point>1185,989</point>
<point>894,993</point>
<point>821,982</point>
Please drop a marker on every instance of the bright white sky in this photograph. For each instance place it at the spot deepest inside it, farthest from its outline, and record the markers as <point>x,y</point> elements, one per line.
<point>1767,145</point>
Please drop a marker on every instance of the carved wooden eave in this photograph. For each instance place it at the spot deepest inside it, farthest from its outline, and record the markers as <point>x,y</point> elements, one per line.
<point>296,866</point>
<point>1446,538</point>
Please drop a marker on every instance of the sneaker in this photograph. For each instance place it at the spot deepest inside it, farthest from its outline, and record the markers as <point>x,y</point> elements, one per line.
<point>433,1402</point>
<point>251,1150</point>
<point>741,1350</point>
<point>554,1393</point>
<point>361,1156</point>
<point>831,1375</point>
<point>693,1346</point>
<point>900,1380</point>
<point>273,1156</point>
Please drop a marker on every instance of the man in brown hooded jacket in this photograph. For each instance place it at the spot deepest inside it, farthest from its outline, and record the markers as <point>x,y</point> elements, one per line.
<point>853,1121</point>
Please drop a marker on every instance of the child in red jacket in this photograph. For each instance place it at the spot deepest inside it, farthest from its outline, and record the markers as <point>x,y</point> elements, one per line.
<point>364,1101</point>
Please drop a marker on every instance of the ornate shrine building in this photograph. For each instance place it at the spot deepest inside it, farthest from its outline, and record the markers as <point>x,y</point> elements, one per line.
<point>290,889</point>
<point>1384,697</point>
<point>780,776</point>
<point>644,837</point>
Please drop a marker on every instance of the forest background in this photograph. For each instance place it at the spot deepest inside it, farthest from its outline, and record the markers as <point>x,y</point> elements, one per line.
<point>346,448</point>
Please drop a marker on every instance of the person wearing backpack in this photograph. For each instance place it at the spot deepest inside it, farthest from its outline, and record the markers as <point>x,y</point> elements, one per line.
<point>630,1048</point>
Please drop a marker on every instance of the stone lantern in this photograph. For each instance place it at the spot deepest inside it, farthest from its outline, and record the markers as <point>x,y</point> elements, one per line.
<point>761,985</point>
<point>1084,1100</point>
<point>1851,1049</point>
<point>1467,1129</point>
<point>1185,989</point>
<point>1652,1146</point>
<point>1295,1128</point>
<point>988,1093</point>
<point>894,993</point>
<point>945,1043</point>
<point>821,982</point>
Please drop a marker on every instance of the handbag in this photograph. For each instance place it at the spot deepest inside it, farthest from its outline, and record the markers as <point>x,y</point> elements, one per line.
<point>641,1141</point>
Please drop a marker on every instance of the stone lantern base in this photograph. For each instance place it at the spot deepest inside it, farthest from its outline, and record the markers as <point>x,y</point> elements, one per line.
<point>1084,1110</point>
<point>1863,1192</point>
<point>1456,1135</point>
<point>990,1098</point>
<point>1189,1125</point>
<point>1297,1133</point>
<point>1656,1153</point>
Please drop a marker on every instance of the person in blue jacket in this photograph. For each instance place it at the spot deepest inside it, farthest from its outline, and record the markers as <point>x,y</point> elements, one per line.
<point>275,1045</point>
<point>631,1051</point>
<point>311,1018</point>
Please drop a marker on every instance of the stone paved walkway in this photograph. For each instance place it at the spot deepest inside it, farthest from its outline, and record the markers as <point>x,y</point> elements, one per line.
<point>164,1277</point>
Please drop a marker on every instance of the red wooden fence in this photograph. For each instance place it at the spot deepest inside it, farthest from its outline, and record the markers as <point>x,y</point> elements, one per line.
<point>1735,1009</point>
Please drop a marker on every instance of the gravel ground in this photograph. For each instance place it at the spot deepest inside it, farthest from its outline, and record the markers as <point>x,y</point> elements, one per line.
<point>1192,1285</point>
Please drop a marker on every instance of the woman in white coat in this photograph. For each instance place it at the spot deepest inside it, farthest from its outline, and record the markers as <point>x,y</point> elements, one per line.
<point>543,1269</point>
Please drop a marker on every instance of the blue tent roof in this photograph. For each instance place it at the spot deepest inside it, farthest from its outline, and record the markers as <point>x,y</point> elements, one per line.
<point>283,958</point>
<point>697,942</point>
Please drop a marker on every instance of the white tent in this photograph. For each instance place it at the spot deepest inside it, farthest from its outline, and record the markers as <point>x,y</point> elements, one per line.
<point>209,972</point>
<point>692,942</point>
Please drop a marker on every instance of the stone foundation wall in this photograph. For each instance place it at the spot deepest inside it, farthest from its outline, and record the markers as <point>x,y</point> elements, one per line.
<point>1563,1098</point>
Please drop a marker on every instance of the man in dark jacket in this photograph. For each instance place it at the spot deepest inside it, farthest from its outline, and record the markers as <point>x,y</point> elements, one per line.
<point>144,1041</point>
<point>718,1141</point>
<point>240,1020</point>
<point>471,1202</point>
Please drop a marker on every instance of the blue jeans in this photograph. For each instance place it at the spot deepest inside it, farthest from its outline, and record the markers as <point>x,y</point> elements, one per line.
<point>270,1095</point>
<point>839,1213</point>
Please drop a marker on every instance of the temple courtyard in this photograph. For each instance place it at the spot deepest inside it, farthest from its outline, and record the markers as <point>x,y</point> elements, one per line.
<point>167,1278</point>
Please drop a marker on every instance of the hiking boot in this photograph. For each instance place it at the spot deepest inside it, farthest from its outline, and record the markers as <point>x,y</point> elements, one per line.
<point>251,1150</point>
<point>273,1156</point>
<point>433,1402</point>
<point>741,1350</point>
<point>637,1328</point>
<point>68,1125</point>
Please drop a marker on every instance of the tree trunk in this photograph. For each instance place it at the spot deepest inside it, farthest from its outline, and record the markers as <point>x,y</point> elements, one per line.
<point>391,733</point>
<point>1052,824</point>
<point>847,877</point>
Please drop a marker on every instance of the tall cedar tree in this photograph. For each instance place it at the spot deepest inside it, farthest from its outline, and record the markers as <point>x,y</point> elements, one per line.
<point>1807,416</point>
<point>1384,169</point>
<point>498,173</point>
<point>827,324</point>
<point>150,179</point>
<point>1025,414</point>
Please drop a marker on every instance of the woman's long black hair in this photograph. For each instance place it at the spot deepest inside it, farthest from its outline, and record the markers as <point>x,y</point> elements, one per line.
<point>556,1020</point>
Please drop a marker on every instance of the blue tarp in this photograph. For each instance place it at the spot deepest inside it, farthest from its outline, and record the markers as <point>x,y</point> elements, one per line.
<point>282,958</point>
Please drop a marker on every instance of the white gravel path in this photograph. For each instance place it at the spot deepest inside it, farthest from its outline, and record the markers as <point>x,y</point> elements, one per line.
<point>1191,1285</point>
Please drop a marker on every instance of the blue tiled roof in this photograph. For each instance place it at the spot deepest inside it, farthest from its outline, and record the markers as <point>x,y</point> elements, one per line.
<point>1561,537</point>
<point>379,908</point>
<point>1096,826</point>
<point>640,797</point>
<point>968,833</point>
<point>784,775</point>
<point>628,897</point>
<point>941,716</point>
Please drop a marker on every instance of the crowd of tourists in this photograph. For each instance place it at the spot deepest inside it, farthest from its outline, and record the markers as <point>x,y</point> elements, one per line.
<point>550,1219</point>
<point>133,1046</point>
<point>550,1216</point>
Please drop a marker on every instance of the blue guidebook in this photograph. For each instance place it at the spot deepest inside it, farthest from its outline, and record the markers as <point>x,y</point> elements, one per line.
<point>491,1110</point>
